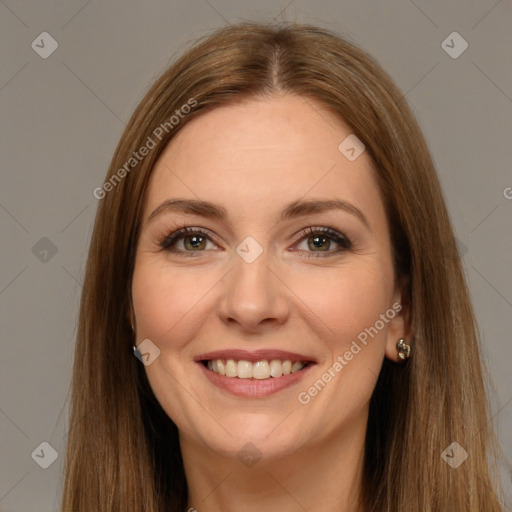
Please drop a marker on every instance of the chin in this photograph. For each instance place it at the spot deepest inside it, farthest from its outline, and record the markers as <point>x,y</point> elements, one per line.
<point>255,444</point>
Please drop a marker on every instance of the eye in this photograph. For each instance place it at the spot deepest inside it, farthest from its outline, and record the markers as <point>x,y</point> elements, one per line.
<point>193,240</point>
<point>318,242</point>
<point>321,238</point>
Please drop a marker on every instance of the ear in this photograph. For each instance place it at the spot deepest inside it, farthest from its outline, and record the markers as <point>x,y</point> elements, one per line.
<point>400,325</point>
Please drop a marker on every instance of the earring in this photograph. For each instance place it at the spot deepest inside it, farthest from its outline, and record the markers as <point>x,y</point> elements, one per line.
<point>404,350</point>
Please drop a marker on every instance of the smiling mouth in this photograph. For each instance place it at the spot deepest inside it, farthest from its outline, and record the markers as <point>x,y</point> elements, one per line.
<point>259,370</point>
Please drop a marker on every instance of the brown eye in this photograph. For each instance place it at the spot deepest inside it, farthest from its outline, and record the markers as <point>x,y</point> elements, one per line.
<point>319,242</point>
<point>194,242</point>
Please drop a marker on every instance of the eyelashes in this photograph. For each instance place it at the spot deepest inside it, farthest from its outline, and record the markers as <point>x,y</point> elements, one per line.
<point>168,244</point>
<point>319,235</point>
<point>195,241</point>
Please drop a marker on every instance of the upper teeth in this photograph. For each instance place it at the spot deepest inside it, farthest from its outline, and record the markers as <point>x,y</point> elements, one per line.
<point>259,370</point>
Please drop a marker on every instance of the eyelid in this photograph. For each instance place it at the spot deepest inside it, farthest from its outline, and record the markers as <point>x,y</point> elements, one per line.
<point>180,233</point>
<point>343,241</point>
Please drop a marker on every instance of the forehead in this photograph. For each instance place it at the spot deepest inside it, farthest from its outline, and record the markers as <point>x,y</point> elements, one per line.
<point>269,151</point>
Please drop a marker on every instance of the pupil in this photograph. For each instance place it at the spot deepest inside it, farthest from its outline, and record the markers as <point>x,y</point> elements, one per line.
<point>316,239</point>
<point>193,241</point>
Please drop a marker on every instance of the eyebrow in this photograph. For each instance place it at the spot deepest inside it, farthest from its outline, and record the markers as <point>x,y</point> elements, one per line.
<point>294,209</point>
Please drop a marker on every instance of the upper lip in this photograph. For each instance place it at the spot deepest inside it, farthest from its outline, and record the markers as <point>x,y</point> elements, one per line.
<point>253,356</point>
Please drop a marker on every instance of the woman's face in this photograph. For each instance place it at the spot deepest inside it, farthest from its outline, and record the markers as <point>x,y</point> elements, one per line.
<point>267,276</point>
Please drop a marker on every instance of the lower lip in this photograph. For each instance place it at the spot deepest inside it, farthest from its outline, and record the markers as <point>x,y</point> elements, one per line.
<point>254,388</point>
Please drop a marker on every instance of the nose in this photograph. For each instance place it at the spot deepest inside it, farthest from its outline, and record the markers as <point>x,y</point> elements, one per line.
<point>254,296</point>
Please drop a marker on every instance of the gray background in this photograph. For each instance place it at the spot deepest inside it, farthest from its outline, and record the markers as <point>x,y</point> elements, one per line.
<point>62,117</point>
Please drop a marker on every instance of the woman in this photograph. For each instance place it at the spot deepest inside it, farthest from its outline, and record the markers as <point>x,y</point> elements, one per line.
<point>268,376</point>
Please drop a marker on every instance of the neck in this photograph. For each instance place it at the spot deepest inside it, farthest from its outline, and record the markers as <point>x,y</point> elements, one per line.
<point>326,477</point>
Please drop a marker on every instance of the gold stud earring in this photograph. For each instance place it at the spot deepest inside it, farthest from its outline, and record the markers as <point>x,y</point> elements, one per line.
<point>403,349</point>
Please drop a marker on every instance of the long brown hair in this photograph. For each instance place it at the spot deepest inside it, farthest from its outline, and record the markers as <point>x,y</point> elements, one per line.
<point>123,450</point>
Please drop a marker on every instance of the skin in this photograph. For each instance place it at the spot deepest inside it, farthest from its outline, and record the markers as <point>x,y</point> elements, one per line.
<point>253,159</point>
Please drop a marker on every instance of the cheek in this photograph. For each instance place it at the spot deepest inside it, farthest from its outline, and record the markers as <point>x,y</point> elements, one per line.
<point>163,297</point>
<point>347,300</point>
<point>349,306</point>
